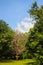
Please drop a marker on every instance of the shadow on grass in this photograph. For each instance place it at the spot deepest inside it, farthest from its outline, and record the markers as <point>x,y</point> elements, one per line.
<point>6,61</point>
<point>32,63</point>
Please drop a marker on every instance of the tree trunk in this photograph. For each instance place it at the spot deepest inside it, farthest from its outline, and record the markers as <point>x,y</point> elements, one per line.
<point>17,57</point>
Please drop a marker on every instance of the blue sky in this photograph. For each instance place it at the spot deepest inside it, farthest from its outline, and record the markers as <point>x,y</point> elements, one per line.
<point>15,11</point>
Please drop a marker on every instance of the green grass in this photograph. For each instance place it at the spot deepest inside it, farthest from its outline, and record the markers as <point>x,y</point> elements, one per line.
<point>17,62</point>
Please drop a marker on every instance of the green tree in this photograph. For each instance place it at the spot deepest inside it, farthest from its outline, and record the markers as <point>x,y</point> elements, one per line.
<point>6,36</point>
<point>35,39</point>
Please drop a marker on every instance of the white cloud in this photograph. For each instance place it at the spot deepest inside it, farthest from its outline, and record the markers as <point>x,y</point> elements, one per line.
<point>28,19</point>
<point>19,28</point>
<point>25,25</point>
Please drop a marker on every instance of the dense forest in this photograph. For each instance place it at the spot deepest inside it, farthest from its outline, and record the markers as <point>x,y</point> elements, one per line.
<point>15,45</point>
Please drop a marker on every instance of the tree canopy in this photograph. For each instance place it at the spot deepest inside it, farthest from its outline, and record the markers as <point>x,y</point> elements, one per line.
<point>35,39</point>
<point>6,36</point>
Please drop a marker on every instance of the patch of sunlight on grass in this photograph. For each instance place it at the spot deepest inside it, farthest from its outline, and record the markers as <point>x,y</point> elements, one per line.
<point>17,62</point>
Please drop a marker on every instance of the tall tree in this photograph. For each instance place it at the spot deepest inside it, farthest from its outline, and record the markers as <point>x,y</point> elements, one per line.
<point>35,39</point>
<point>6,35</point>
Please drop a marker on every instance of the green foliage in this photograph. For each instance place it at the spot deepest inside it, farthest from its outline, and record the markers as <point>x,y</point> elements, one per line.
<point>6,36</point>
<point>35,39</point>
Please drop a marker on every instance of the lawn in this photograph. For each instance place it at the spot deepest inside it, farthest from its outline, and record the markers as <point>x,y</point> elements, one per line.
<point>18,62</point>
